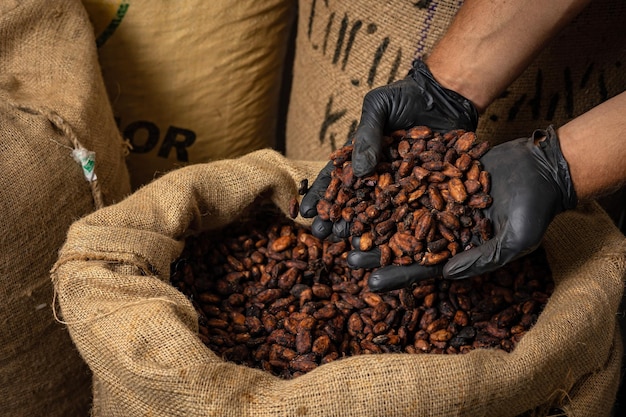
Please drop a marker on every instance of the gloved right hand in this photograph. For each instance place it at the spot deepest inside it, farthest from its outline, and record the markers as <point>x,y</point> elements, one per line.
<point>415,100</point>
<point>530,185</point>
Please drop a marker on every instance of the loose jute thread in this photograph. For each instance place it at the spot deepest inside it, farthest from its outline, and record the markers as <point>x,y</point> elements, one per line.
<point>80,154</point>
<point>108,313</point>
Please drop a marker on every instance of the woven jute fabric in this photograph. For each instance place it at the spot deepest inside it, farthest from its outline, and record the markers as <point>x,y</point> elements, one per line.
<point>345,49</point>
<point>53,106</point>
<point>139,334</point>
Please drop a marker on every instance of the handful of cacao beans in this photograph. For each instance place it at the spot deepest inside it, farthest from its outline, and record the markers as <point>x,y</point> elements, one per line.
<point>270,295</point>
<point>424,201</point>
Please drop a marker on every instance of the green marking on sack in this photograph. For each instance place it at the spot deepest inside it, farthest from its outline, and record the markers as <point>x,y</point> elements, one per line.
<point>87,161</point>
<point>89,165</point>
<point>110,29</point>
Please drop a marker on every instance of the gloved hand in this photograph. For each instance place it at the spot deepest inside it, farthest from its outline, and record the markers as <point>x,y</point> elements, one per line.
<point>415,100</point>
<point>530,185</point>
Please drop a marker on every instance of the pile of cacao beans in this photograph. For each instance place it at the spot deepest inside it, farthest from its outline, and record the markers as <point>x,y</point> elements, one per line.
<point>270,295</point>
<point>423,203</point>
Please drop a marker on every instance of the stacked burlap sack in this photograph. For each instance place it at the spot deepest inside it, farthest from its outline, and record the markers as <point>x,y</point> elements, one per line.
<point>184,77</point>
<point>138,334</point>
<point>61,157</point>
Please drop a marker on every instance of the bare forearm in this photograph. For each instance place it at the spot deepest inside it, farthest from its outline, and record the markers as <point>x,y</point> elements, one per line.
<point>491,42</point>
<point>594,147</point>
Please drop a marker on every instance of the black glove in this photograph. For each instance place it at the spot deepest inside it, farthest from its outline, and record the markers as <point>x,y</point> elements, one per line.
<point>416,100</point>
<point>530,185</point>
<point>308,207</point>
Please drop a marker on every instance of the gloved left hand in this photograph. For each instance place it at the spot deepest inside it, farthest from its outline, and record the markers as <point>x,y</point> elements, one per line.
<point>415,100</point>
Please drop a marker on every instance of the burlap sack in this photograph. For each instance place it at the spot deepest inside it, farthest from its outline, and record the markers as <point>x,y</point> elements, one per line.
<point>53,108</point>
<point>192,81</point>
<point>139,334</point>
<point>345,49</point>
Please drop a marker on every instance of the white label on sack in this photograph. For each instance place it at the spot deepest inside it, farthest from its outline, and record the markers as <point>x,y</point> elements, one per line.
<point>87,160</point>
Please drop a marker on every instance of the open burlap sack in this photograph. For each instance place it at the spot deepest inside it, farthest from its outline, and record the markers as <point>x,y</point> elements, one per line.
<point>192,81</point>
<point>139,334</point>
<point>53,109</point>
<point>345,49</point>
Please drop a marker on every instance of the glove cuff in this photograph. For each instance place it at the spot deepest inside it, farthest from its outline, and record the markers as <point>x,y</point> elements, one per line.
<point>551,148</point>
<point>458,105</point>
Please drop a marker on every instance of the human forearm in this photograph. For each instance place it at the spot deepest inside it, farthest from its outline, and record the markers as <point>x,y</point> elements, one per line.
<point>491,42</point>
<point>593,145</point>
